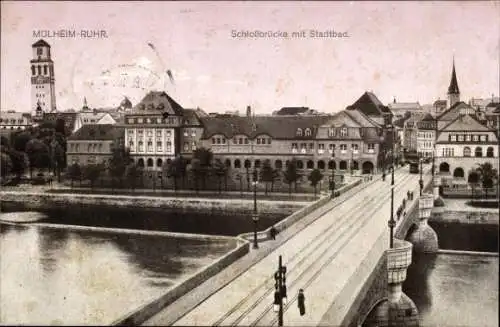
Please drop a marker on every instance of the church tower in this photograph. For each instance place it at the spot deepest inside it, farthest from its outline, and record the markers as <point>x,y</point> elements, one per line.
<point>453,91</point>
<point>43,93</point>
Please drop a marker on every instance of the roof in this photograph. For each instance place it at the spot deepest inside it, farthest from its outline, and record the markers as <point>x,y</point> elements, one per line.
<point>191,117</point>
<point>101,132</point>
<point>453,112</point>
<point>8,115</point>
<point>453,88</point>
<point>464,123</point>
<point>92,115</point>
<point>404,106</point>
<point>292,110</point>
<point>440,103</point>
<point>427,117</point>
<point>370,105</point>
<point>361,118</point>
<point>497,110</point>
<point>68,117</point>
<point>278,127</point>
<point>40,43</point>
<point>157,101</point>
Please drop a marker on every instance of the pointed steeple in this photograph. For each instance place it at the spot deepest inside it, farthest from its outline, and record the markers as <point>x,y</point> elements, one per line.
<point>453,88</point>
<point>85,107</point>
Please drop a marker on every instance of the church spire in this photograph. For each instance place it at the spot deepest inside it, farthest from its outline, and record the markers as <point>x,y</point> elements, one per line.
<point>453,88</point>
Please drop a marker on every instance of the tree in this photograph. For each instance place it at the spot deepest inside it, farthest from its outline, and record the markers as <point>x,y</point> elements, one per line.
<point>239,177</point>
<point>19,162</point>
<point>473,180</point>
<point>74,173</point>
<point>132,171</point>
<point>488,174</point>
<point>268,174</point>
<point>92,173</point>
<point>176,169</point>
<point>220,170</point>
<point>196,172</point>
<point>315,177</point>
<point>203,158</point>
<point>120,160</point>
<point>20,140</point>
<point>291,174</point>
<point>38,154</point>
<point>58,160</point>
<point>5,164</point>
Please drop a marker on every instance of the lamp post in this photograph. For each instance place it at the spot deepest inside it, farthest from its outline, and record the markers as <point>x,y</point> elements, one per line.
<point>280,296</point>
<point>382,150</point>
<point>255,215</point>
<point>352,158</point>
<point>332,182</point>
<point>392,222</point>
<point>421,181</point>
<point>497,113</point>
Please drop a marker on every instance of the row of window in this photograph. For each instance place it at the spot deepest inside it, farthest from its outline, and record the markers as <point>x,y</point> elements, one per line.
<point>331,146</point>
<point>149,120</point>
<point>310,164</point>
<point>39,68</point>
<point>140,146</point>
<point>425,144</point>
<point>91,147</point>
<point>426,135</point>
<point>478,152</point>
<point>467,138</point>
<point>241,140</point>
<point>13,121</point>
<point>332,131</point>
<point>40,95</point>
<point>149,133</point>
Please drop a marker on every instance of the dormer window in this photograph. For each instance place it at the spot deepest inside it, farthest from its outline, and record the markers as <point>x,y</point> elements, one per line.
<point>343,131</point>
<point>299,131</point>
<point>308,132</point>
<point>331,132</point>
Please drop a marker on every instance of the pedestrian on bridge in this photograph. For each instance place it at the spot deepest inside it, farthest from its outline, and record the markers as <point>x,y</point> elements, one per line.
<point>273,232</point>
<point>301,301</point>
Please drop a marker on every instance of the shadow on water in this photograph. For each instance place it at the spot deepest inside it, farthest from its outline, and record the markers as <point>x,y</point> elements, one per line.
<point>466,237</point>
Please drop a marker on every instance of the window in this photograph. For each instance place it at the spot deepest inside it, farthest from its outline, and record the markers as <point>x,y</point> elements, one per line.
<point>467,138</point>
<point>140,132</point>
<point>169,133</point>
<point>308,132</point>
<point>299,132</point>
<point>169,146</point>
<point>246,140</point>
<point>240,140</point>
<point>193,146</point>
<point>355,148</point>
<point>321,146</point>
<point>158,146</point>
<point>186,146</point>
<point>448,152</point>
<point>139,120</point>
<point>213,140</point>
<point>45,69</point>
<point>235,140</point>
<point>150,146</point>
<point>131,144</point>
<point>331,147</point>
<point>311,146</point>
<point>33,71</point>
<point>149,133</point>
<point>185,133</point>
<point>460,138</point>
<point>343,131</point>
<point>39,70</point>
<point>489,152</point>
<point>467,151</point>
<point>453,138</point>
<point>294,147</point>
<point>39,51</point>
<point>100,147</point>
<point>331,132</point>
<point>475,138</point>
<point>193,132</point>
<point>158,120</point>
<point>343,148</point>
<point>371,147</point>
<point>483,138</point>
<point>89,148</point>
<point>258,140</point>
<point>141,146</point>
<point>77,147</point>
<point>478,152</point>
<point>158,133</point>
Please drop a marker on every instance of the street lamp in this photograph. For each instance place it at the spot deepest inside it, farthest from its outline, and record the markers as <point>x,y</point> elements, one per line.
<point>497,113</point>
<point>280,297</point>
<point>255,215</point>
<point>392,222</point>
<point>332,181</point>
<point>352,158</point>
<point>421,181</point>
<point>382,150</point>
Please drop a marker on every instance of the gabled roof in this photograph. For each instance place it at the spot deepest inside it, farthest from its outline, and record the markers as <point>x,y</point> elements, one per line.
<point>370,105</point>
<point>453,111</point>
<point>440,103</point>
<point>191,118</point>
<point>157,101</point>
<point>465,123</point>
<point>40,43</point>
<point>278,127</point>
<point>362,119</point>
<point>101,132</point>
<point>428,117</point>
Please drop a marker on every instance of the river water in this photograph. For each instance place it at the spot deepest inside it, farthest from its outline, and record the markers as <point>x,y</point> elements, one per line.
<point>457,290</point>
<point>73,277</point>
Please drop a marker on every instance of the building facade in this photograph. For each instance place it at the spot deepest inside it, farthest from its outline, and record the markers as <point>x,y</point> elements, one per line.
<point>43,94</point>
<point>93,144</point>
<point>11,120</point>
<point>426,136</point>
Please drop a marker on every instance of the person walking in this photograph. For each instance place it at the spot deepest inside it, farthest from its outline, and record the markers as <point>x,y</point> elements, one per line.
<point>301,302</point>
<point>273,232</point>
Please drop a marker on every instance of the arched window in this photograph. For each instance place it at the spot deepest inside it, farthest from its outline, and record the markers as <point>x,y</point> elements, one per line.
<point>287,163</point>
<point>33,70</point>
<point>467,151</point>
<point>140,162</point>
<point>150,162</point>
<point>169,161</point>
<point>478,152</point>
<point>331,164</point>
<point>237,163</point>
<point>159,162</point>
<point>248,164</point>
<point>278,164</point>
<point>228,163</point>
<point>321,164</point>
<point>343,165</point>
<point>257,163</point>
<point>299,131</point>
<point>300,164</point>
<point>45,69</point>
<point>458,172</point>
<point>444,167</point>
<point>310,164</point>
<point>489,152</point>
<point>39,70</point>
<point>308,132</point>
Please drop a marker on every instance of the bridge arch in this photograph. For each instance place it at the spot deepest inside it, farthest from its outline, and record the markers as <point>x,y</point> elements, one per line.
<point>367,167</point>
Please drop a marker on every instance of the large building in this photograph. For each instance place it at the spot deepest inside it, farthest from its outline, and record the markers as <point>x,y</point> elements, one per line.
<point>93,144</point>
<point>426,136</point>
<point>12,120</point>
<point>43,93</point>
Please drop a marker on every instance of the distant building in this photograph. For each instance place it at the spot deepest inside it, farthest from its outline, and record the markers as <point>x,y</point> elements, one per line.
<point>295,111</point>
<point>71,121</point>
<point>43,94</point>
<point>93,144</point>
<point>399,109</point>
<point>12,120</point>
<point>426,135</point>
<point>453,90</point>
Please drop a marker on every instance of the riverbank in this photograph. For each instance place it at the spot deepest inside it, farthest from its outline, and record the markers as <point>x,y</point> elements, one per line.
<point>457,211</point>
<point>42,200</point>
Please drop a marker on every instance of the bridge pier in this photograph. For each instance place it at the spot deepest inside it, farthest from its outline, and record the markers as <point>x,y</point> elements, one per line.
<point>436,182</point>
<point>397,309</point>
<point>423,237</point>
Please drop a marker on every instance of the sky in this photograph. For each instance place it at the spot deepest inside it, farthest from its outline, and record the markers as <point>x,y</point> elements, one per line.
<point>403,50</point>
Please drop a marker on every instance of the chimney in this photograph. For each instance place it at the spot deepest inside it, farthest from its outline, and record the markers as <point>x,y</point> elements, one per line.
<point>249,111</point>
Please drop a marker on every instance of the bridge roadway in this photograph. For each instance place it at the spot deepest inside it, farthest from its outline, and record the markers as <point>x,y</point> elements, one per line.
<point>323,258</point>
